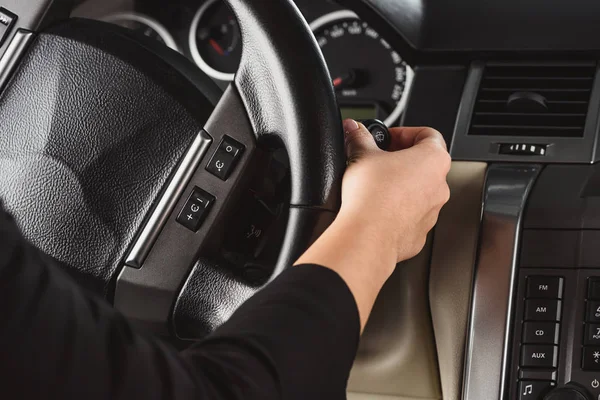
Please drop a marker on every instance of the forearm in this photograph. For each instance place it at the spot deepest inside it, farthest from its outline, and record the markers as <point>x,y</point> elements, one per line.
<point>66,344</point>
<point>360,253</point>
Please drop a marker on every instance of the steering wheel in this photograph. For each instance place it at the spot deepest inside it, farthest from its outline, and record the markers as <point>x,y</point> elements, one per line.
<point>109,143</point>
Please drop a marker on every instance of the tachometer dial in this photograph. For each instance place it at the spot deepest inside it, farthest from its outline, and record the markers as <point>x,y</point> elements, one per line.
<point>215,40</point>
<point>370,77</point>
<point>145,25</point>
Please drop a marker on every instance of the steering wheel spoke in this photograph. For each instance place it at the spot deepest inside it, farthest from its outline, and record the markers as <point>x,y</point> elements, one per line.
<point>199,203</point>
<point>142,181</point>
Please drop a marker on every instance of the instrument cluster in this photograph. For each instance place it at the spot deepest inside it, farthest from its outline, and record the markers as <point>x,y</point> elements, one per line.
<point>370,77</point>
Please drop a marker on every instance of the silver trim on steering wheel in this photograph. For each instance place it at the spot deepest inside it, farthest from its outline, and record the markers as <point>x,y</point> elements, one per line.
<point>13,54</point>
<point>143,244</point>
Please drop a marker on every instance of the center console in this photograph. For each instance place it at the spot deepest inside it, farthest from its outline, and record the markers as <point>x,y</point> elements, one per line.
<point>556,329</point>
<point>534,331</point>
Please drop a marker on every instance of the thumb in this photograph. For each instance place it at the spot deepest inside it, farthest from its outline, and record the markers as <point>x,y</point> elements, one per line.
<point>358,140</point>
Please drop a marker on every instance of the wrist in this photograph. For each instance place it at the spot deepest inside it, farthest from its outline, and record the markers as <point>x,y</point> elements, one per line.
<point>364,230</point>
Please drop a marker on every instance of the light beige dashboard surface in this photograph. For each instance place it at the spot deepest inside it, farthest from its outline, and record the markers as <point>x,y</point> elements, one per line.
<point>413,345</point>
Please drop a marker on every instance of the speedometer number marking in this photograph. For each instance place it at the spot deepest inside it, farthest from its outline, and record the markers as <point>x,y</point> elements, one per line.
<point>355,29</point>
<point>370,32</point>
<point>400,74</point>
<point>337,32</point>
<point>397,93</point>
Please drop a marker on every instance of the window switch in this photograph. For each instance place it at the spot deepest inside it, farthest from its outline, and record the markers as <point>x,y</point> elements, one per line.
<point>195,209</point>
<point>225,158</point>
<point>7,21</point>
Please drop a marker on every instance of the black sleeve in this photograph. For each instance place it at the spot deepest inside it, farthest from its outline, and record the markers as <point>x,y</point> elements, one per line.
<point>296,339</point>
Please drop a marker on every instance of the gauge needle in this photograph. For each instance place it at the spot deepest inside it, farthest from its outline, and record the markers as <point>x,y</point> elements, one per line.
<point>344,80</point>
<point>217,47</point>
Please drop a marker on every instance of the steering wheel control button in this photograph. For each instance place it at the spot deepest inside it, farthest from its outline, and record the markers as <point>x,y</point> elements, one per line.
<point>225,158</point>
<point>547,287</point>
<point>232,147</point>
<point>541,332</point>
<point>594,289</point>
<point>7,21</point>
<point>539,356</point>
<point>195,209</point>
<point>590,359</point>
<point>593,311</point>
<point>533,390</point>
<point>542,310</point>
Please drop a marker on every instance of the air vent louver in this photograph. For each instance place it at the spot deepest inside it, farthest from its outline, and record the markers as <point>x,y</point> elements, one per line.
<point>533,100</point>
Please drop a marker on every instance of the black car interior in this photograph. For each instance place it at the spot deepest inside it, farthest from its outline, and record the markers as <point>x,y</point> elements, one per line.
<point>175,156</point>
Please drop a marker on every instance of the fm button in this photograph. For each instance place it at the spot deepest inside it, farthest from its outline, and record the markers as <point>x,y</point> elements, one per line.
<point>225,158</point>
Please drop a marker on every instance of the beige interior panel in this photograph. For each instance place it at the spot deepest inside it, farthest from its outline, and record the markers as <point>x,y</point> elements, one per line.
<point>397,357</point>
<point>367,396</point>
<point>452,265</point>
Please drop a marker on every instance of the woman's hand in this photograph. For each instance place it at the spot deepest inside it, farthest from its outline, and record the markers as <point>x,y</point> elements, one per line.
<point>390,202</point>
<point>398,193</point>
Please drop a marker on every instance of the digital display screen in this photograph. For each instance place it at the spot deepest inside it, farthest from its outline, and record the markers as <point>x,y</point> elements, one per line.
<point>363,112</point>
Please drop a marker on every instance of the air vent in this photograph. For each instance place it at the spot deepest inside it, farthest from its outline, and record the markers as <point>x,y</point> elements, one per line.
<point>533,100</point>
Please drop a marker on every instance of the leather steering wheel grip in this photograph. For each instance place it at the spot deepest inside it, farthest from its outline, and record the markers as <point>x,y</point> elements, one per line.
<point>98,119</point>
<point>286,88</point>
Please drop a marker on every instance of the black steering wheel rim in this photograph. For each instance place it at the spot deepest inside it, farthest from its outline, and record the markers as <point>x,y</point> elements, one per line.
<point>282,90</point>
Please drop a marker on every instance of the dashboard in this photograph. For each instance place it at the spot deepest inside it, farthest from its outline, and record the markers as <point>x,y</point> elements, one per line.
<point>370,76</point>
<point>515,89</point>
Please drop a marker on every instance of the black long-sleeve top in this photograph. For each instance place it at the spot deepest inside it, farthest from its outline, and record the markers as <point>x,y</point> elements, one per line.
<point>296,339</point>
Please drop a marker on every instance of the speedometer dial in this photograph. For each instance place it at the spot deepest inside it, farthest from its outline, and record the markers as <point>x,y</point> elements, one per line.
<point>215,40</point>
<point>370,77</point>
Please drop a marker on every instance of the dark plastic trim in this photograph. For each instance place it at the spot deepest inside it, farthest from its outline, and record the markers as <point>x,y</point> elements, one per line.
<point>467,147</point>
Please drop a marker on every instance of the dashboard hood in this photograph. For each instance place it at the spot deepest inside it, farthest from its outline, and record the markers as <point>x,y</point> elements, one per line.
<point>435,27</point>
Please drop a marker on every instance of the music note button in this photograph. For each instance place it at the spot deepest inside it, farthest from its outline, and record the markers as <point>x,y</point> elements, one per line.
<point>533,390</point>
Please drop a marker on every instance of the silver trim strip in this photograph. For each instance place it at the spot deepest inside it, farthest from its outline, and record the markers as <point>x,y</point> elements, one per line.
<point>13,54</point>
<point>157,220</point>
<point>486,363</point>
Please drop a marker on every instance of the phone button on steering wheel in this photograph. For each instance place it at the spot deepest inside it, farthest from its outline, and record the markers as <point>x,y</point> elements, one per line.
<point>225,158</point>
